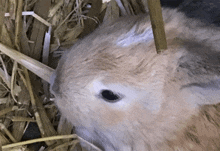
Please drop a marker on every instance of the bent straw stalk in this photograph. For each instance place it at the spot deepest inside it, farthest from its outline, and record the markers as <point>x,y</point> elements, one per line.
<point>31,64</point>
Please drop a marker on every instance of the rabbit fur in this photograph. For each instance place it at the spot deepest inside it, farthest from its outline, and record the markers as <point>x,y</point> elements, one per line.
<point>161,102</point>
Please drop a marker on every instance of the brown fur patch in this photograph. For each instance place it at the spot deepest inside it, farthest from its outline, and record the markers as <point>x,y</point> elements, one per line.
<point>202,132</point>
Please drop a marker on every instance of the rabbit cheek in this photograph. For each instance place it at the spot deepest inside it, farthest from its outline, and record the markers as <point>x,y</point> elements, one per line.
<point>111,117</point>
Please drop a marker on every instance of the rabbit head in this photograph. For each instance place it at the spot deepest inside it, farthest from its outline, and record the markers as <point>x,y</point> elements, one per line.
<point>121,95</point>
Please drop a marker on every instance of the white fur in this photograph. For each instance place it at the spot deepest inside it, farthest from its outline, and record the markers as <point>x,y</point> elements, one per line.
<point>132,37</point>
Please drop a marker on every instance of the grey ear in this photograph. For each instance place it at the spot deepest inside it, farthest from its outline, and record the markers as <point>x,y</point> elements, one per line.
<point>203,93</point>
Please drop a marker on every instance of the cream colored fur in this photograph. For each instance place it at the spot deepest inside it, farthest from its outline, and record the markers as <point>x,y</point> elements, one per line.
<point>163,107</point>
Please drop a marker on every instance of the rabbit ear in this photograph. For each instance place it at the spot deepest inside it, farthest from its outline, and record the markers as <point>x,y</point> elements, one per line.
<point>203,93</point>
<point>36,67</point>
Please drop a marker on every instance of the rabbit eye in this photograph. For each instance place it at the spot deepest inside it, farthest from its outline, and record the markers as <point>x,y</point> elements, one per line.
<point>110,96</point>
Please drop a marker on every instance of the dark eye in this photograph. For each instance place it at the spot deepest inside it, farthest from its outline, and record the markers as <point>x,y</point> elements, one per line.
<point>110,96</point>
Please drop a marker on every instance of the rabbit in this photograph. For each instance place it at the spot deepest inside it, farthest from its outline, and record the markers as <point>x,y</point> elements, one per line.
<point>122,96</point>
